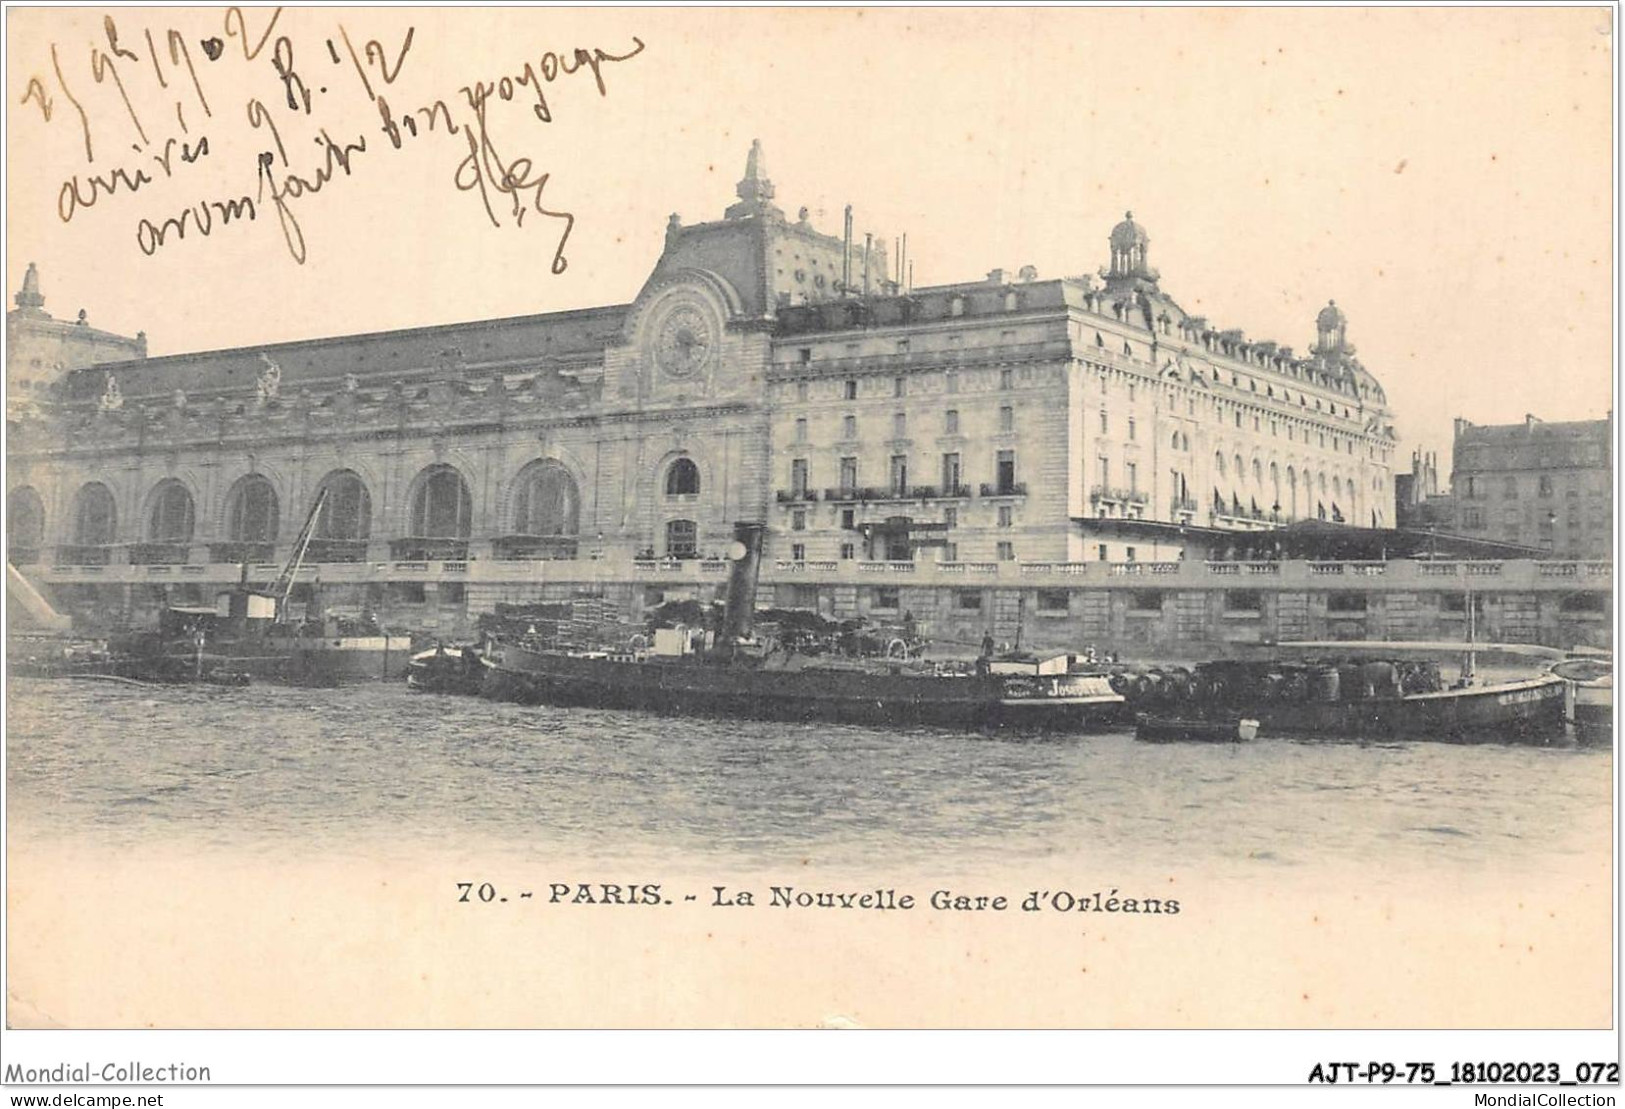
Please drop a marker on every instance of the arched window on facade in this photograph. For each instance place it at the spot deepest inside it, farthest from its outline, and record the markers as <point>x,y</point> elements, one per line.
<point>441,516</point>
<point>546,513</point>
<point>172,517</point>
<point>251,522</point>
<point>682,478</point>
<point>1218,463</point>
<point>25,525</point>
<point>170,522</point>
<point>95,522</point>
<point>682,539</point>
<point>1291,493</point>
<point>344,523</point>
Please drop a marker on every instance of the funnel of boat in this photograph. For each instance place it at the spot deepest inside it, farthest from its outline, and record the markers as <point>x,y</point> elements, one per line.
<point>745,561</point>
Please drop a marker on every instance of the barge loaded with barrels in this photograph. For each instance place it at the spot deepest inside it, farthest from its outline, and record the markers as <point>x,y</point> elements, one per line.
<point>732,672</point>
<point>1354,691</point>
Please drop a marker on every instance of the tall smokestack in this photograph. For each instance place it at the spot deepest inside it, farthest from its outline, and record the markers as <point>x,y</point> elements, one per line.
<point>846,256</point>
<point>739,616</point>
<point>868,244</point>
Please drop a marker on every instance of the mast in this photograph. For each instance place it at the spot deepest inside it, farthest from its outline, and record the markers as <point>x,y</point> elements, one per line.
<point>1469,668</point>
<point>285,580</point>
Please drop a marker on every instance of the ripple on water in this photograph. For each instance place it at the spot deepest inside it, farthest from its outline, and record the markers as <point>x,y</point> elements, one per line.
<point>324,769</point>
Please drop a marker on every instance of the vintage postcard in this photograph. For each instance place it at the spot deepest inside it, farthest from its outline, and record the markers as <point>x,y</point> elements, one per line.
<point>810,518</point>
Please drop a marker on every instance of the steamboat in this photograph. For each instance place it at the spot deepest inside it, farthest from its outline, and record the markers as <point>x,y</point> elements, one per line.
<point>731,673</point>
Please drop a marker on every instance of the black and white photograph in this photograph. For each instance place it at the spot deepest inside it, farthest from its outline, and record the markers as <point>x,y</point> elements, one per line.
<point>810,519</point>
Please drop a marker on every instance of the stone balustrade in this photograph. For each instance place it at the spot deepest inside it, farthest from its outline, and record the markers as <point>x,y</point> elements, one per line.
<point>1394,575</point>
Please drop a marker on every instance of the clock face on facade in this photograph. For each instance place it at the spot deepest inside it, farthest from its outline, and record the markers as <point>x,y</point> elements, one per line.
<point>685,341</point>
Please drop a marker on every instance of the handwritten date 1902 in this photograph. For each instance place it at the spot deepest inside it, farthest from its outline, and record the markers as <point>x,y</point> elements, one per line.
<point>509,185</point>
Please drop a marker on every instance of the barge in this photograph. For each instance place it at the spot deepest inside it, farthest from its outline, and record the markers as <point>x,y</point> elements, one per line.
<point>689,670</point>
<point>1383,698</point>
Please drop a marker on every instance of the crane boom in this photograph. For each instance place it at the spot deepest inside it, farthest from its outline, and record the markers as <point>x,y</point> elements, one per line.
<point>284,582</point>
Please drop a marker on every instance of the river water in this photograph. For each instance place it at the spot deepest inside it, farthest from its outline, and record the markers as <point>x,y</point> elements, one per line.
<point>317,773</point>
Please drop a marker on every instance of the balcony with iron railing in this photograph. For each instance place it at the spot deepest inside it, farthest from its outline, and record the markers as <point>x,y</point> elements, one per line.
<point>513,548</point>
<point>1110,494</point>
<point>796,496</point>
<point>160,554</point>
<point>1004,489</point>
<point>243,552</point>
<point>428,549</point>
<point>87,554</point>
<point>336,550</point>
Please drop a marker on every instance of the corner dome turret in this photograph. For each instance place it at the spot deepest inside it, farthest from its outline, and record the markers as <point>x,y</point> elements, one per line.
<point>1129,235</point>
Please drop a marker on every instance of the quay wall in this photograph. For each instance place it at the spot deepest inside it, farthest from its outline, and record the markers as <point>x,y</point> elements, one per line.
<point>1183,609</point>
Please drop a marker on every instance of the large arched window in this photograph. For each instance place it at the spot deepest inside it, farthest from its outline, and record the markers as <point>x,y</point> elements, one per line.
<point>682,478</point>
<point>252,512</point>
<point>546,501</point>
<point>441,516</point>
<point>546,513</point>
<point>682,539</point>
<point>95,516</point>
<point>171,518</point>
<point>346,513</point>
<point>25,525</point>
<point>344,523</point>
<point>441,506</point>
<point>252,515</point>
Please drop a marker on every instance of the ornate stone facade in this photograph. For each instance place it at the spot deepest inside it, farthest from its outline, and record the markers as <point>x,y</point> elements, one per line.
<point>764,371</point>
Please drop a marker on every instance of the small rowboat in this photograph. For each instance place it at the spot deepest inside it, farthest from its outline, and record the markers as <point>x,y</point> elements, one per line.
<point>1173,729</point>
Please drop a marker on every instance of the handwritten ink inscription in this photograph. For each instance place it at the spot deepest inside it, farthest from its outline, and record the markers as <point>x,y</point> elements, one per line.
<point>304,142</point>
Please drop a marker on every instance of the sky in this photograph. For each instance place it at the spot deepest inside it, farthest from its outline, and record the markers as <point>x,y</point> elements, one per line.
<point>1443,173</point>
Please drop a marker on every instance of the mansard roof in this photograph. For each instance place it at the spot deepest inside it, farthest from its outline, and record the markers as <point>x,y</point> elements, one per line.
<point>516,342</point>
